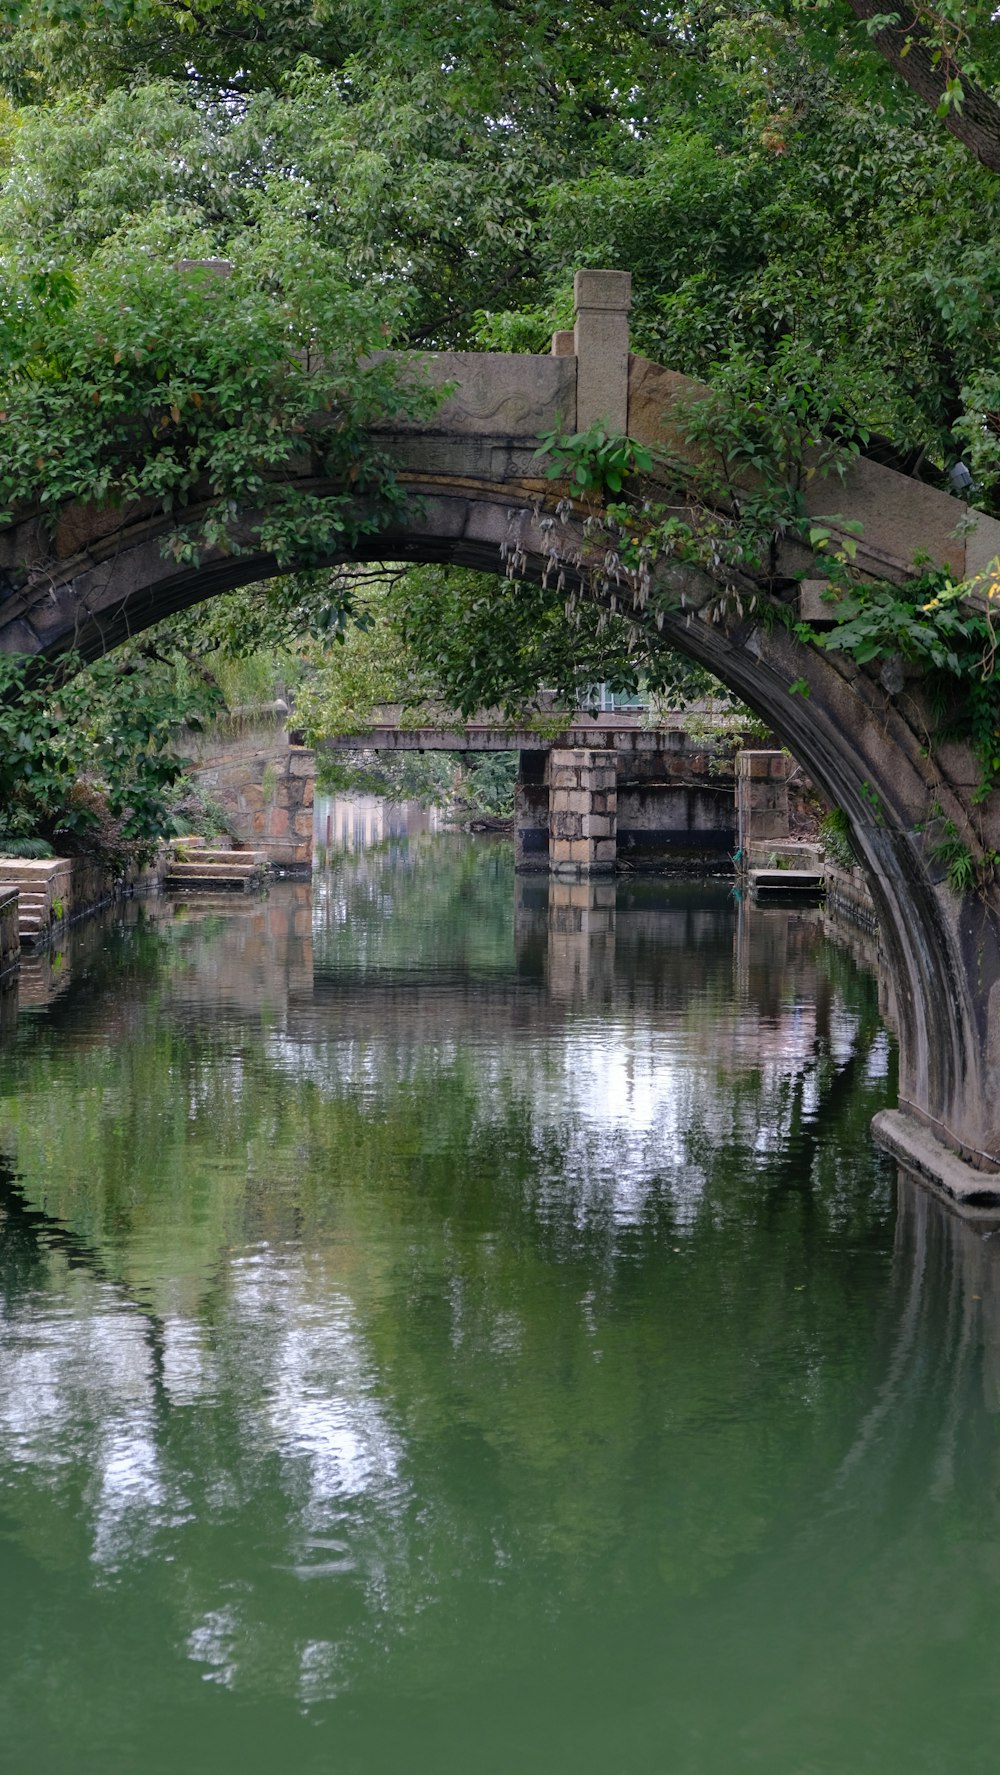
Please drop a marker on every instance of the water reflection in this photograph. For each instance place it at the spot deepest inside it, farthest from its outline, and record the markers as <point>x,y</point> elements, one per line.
<point>355,822</point>
<point>440,1327</point>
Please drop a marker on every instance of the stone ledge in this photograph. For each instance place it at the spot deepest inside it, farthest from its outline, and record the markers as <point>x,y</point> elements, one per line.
<point>929,1160</point>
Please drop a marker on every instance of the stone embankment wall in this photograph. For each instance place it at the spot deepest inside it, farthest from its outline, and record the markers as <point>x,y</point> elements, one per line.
<point>10,938</point>
<point>265,784</point>
<point>848,899</point>
<point>52,891</point>
<point>850,921</point>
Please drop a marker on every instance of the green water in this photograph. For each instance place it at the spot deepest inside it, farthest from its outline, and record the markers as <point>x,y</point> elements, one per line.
<point>446,1331</point>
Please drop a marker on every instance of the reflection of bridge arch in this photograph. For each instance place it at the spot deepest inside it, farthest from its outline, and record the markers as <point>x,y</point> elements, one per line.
<point>867,749</point>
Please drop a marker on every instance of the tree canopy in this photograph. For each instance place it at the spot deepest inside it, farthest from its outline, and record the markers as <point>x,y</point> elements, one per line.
<point>802,183</point>
<point>763,174</point>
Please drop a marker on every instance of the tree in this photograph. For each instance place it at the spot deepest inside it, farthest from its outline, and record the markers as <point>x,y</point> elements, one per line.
<point>937,51</point>
<point>442,641</point>
<point>762,175</point>
<point>778,183</point>
<point>86,757</point>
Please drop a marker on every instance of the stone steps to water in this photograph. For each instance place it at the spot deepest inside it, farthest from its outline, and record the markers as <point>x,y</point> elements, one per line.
<point>787,883</point>
<point>195,866</point>
<point>44,889</point>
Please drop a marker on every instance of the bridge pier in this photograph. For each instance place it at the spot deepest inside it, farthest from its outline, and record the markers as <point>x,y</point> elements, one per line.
<point>669,798</point>
<point>583,811</point>
<point>761,797</point>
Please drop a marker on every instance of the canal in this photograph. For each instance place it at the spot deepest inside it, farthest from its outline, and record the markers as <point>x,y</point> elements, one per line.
<point>450,1325</point>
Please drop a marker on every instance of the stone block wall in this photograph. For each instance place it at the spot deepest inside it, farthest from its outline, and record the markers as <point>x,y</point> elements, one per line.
<point>266,786</point>
<point>847,897</point>
<point>583,811</point>
<point>10,937</point>
<point>761,797</point>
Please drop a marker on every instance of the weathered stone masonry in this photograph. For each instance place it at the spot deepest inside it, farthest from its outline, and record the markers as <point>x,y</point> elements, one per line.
<point>266,785</point>
<point>761,797</point>
<point>105,575</point>
<point>583,812</point>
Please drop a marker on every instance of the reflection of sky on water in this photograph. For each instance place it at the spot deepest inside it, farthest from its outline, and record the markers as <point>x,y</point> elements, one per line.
<point>306,1363</point>
<point>406,1418</point>
<point>80,1406</point>
<point>59,1374</point>
<point>621,1101</point>
<point>190,1368</point>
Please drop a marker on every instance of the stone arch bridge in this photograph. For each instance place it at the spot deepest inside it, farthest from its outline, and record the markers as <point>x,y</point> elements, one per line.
<point>863,739</point>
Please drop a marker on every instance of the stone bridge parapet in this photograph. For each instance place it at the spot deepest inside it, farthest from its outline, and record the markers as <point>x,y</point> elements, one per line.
<point>872,749</point>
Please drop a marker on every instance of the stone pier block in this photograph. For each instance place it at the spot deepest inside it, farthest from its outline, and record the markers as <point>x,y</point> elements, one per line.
<point>761,797</point>
<point>770,825</point>
<point>577,779</point>
<point>602,770</point>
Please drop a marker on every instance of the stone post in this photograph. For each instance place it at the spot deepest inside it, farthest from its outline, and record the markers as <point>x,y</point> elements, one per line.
<point>583,811</point>
<point>602,300</point>
<point>761,798</point>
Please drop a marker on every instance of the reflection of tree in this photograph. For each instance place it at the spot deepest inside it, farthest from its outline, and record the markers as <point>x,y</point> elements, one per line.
<point>413,1293</point>
<point>432,904</point>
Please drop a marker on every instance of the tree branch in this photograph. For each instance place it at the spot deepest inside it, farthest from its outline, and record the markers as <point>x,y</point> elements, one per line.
<point>910,49</point>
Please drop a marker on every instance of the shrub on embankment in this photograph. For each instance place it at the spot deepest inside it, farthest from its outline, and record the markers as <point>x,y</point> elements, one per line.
<point>87,759</point>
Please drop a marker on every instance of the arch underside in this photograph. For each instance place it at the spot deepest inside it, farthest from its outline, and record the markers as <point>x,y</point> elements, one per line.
<point>865,751</point>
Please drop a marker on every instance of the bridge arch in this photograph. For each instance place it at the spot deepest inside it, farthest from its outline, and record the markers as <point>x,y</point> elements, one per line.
<point>105,577</point>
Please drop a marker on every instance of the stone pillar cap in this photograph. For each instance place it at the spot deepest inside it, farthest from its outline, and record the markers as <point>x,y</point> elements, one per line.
<point>603,289</point>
